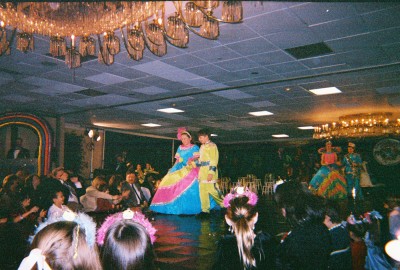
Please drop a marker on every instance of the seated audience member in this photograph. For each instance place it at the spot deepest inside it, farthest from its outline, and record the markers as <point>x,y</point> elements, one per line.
<point>340,258</point>
<point>32,187</point>
<point>394,217</point>
<point>358,248</point>
<point>9,193</point>
<point>136,197</point>
<point>127,242</point>
<point>89,200</point>
<point>115,183</point>
<point>244,249</point>
<point>77,184</point>
<point>66,244</point>
<point>58,208</point>
<point>308,244</point>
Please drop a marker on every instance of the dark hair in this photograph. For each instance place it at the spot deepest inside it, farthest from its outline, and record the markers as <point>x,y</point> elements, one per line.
<point>359,228</point>
<point>332,211</point>
<point>131,171</point>
<point>241,214</point>
<point>54,193</point>
<point>300,205</point>
<point>8,181</point>
<point>29,180</point>
<point>127,245</point>
<point>203,132</point>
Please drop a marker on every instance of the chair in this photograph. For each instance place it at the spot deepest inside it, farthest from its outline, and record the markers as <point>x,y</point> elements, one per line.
<point>268,188</point>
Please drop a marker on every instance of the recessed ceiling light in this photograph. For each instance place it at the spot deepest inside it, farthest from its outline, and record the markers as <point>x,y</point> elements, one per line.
<point>151,125</point>
<point>213,135</point>
<point>306,127</point>
<point>170,110</point>
<point>280,136</point>
<point>261,113</point>
<point>325,91</point>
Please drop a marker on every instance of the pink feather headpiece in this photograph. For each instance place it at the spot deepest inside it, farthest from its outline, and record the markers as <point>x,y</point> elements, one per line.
<point>129,215</point>
<point>240,192</point>
<point>182,130</point>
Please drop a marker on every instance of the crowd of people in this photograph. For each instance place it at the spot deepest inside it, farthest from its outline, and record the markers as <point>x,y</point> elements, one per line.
<point>57,215</point>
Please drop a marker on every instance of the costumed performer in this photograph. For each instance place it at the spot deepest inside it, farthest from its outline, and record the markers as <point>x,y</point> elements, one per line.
<point>178,192</point>
<point>352,167</point>
<point>328,182</point>
<point>210,195</point>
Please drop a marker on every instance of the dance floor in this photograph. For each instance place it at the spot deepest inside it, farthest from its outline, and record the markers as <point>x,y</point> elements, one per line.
<point>189,242</point>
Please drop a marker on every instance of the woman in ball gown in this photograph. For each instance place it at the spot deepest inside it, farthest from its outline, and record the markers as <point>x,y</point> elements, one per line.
<point>328,182</point>
<point>178,192</point>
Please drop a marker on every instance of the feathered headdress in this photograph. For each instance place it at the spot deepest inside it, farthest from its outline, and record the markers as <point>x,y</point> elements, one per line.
<point>240,192</point>
<point>129,215</point>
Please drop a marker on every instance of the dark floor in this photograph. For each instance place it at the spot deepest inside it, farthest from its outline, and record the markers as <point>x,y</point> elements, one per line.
<point>188,242</point>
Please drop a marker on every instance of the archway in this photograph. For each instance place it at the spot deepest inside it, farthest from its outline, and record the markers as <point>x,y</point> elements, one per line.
<point>43,131</point>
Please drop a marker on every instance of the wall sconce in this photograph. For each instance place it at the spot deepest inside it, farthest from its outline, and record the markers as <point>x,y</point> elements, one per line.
<point>93,134</point>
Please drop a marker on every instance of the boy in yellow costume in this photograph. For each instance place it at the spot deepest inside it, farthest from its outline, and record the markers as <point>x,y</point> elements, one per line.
<point>208,174</point>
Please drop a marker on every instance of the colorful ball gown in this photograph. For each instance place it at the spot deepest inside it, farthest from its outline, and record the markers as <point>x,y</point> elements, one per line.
<point>178,192</point>
<point>328,182</point>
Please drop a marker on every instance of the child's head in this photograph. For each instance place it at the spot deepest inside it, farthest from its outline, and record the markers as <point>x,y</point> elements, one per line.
<point>331,213</point>
<point>127,245</point>
<point>64,245</point>
<point>58,198</point>
<point>357,230</point>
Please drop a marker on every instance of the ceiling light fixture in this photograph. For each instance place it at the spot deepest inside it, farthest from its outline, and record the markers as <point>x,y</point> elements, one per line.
<point>142,24</point>
<point>261,113</point>
<point>170,110</point>
<point>359,125</point>
<point>325,91</point>
<point>151,125</point>
<point>306,127</point>
<point>280,136</point>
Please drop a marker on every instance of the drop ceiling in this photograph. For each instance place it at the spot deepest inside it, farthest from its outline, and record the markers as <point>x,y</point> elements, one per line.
<point>269,62</point>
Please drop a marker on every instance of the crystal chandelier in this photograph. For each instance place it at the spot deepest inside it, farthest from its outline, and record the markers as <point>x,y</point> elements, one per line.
<point>359,125</point>
<point>141,24</point>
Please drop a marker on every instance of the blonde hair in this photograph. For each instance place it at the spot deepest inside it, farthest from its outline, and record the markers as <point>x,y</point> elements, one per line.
<point>242,215</point>
<point>60,241</point>
<point>97,181</point>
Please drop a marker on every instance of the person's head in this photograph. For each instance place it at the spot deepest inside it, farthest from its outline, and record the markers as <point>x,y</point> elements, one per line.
<point>357,230</point>
<point>58,198</point>
<point>98,181</point>
<point>65,247</point>
<point>115,180</point>
<point>119,158</point>
<point>204,135</point>
<point>130,176</point>
<point>328,145</point>
<point>350,147</point>
<point>57,172</point>
<point>127,245</point>
<point>186,138</point>
<point>18,142</point>
<point>332,216</point>
<point>65,176</point>
<point>74,177</point>
<point>10,183</point>
<point>298,205</point>
<point>32,181</point>
<point>148,166</point>
<point>242,217</point>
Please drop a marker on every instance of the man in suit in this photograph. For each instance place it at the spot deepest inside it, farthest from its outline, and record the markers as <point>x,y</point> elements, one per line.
<point>136,197</point>
<point>18,151</point>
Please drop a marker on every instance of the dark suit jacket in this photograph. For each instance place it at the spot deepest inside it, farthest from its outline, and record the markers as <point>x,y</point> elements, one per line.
<point>132,200</point>
<point>23,153</point>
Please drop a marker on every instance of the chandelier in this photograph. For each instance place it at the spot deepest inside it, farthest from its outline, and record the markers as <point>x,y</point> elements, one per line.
<point>141,24</point>
<point>359,125</point>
